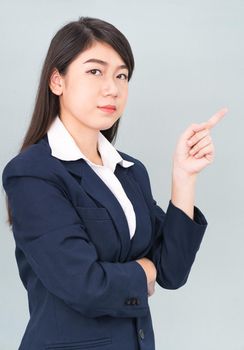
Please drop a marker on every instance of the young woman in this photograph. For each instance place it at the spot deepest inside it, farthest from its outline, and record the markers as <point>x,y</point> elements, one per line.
<point>90,239</point>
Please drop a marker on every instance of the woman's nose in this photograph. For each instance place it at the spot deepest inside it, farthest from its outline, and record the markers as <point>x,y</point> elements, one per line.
<point>110,87</point>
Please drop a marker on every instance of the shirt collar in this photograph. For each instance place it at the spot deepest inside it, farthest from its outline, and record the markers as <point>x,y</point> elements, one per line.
<point>64,147</point>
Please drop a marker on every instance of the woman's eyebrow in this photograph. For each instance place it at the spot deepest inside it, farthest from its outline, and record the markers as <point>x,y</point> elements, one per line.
<point>96,60</point>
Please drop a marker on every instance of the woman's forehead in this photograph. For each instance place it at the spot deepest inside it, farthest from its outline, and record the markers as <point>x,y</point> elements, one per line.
<point>101,52</point>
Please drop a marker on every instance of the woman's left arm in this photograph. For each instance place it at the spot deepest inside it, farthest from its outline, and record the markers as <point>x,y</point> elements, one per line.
<point>194,151</point>
<point>178,232</point>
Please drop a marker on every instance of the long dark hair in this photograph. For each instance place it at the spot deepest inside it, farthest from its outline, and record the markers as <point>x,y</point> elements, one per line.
<point>72,39</point>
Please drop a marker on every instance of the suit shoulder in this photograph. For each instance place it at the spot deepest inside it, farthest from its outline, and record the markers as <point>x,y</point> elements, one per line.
<point>36,161</point>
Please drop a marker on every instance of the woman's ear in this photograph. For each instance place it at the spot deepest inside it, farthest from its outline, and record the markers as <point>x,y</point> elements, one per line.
<point>56,83</point>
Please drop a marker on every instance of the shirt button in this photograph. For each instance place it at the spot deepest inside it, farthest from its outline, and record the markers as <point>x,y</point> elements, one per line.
<point>141,334</point>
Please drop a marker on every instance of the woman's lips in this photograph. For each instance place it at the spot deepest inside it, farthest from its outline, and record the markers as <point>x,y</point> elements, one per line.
<point>108,109</point>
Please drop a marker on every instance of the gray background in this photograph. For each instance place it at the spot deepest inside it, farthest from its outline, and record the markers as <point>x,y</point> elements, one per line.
<point>189,63</point>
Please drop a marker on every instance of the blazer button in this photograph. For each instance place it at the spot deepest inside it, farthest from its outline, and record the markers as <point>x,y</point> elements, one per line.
<point>134,301</point>
<point>128,302</point>
<point>137,301</point>
<point>141,334</point>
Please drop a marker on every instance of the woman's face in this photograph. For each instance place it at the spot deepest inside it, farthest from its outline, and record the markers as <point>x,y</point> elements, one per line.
<point>97,77</point>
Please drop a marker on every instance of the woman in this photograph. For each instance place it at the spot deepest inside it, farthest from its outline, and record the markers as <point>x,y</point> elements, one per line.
<point>90,239</point>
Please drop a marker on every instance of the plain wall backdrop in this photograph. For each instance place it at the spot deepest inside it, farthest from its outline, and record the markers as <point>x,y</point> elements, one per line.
<point>189,63</point>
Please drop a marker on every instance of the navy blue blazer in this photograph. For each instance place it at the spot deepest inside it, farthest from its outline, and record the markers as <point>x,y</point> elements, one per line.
<point>75,256</point>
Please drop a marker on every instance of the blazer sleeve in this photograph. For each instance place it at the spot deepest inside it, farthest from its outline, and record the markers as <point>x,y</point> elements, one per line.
<point>48,230</point>
<point>176,238</point>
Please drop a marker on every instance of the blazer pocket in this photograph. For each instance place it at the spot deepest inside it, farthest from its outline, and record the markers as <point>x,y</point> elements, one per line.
<point>93,213</point>
<point>101,231</point>
<point>86,344</point>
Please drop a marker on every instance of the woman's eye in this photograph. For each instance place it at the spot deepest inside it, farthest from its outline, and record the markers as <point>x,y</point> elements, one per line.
<point>124,76</point>
<point>94,71</point>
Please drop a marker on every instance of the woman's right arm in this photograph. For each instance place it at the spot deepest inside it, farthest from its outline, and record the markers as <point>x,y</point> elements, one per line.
<point>53,238</point>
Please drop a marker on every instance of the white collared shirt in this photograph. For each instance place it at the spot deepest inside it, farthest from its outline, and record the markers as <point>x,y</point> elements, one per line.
<point>64,147</point>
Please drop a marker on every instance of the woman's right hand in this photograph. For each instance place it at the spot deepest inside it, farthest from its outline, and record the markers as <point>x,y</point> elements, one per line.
<point>151,273</point>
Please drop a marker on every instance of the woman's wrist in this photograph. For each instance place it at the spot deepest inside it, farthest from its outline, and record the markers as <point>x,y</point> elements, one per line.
<point>183,191</point>
<point>149,269</point>
<point>183,177</point>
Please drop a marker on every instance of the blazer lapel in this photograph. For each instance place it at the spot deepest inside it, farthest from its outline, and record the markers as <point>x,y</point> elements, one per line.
<point>93,185</point>
<point>140,242</point>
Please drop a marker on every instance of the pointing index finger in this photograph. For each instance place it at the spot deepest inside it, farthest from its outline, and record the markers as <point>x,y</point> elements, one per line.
<point>216,117</point>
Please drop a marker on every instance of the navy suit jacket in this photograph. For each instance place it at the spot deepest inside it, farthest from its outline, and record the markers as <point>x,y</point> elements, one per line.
<point>75,256</point>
